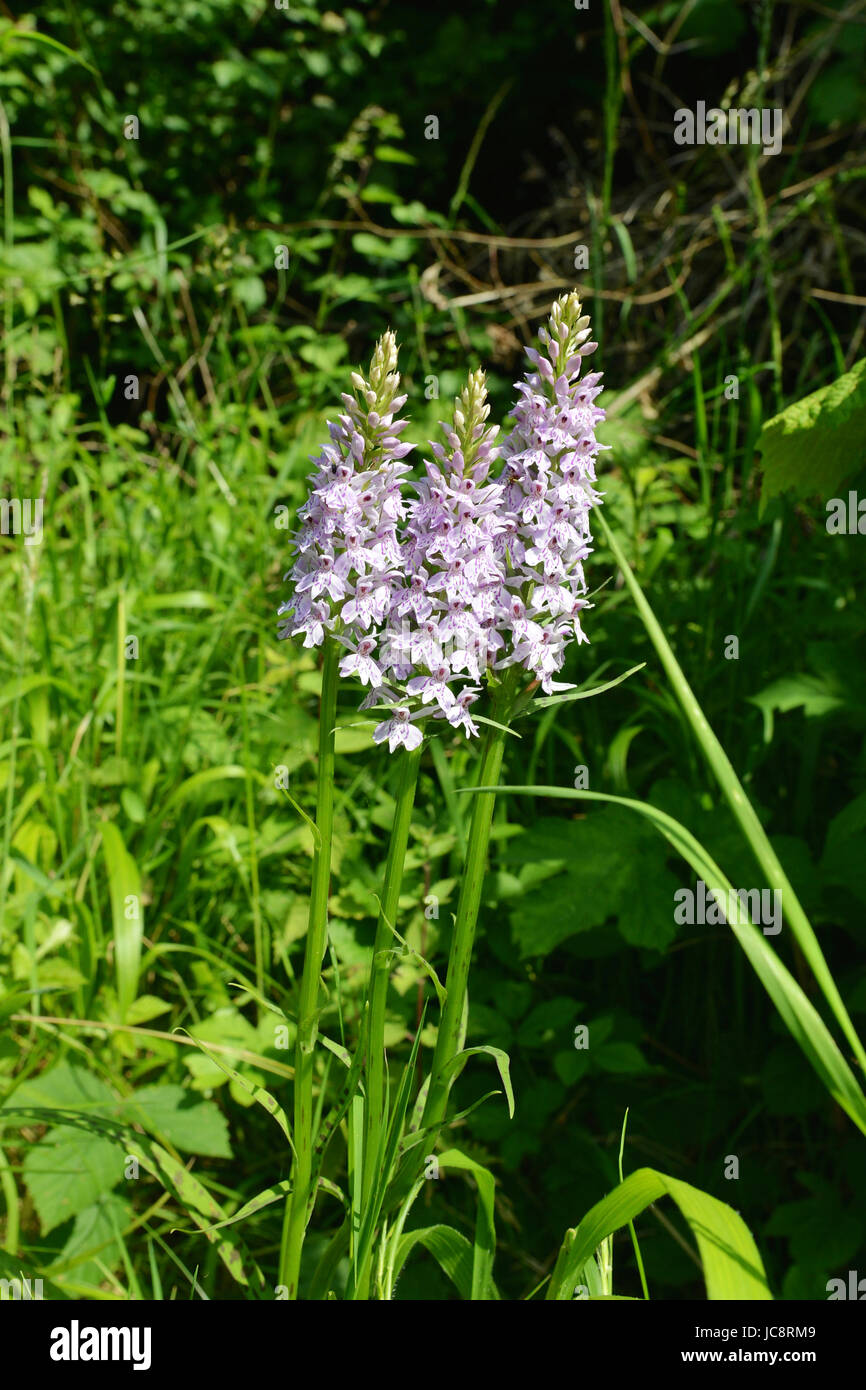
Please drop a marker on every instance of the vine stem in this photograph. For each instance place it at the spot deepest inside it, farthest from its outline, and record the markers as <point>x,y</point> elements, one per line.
<point>300,1198</point>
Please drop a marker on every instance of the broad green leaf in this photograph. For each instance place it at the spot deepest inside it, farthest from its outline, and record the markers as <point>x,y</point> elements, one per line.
<point>94,1235</point>
<point>816,443</point>
<point>812,694</point>
<point>451,1251</point>
<point>193,1125</point>
<point>65,1086</point>
<point>731,1263</point>
<point>189,1123</point>
<point>68,1170</point>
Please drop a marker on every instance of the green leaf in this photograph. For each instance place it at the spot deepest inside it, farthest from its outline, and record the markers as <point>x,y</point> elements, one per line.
<point>258,1093</point>
<point>484,1246</point>
<point>816,443</point>
<point>67,1171</point>
<point>731,1263</point>
<point>813,694</point>
<point>65,1086</point>
<point>577,874</point>
<point>548,1022</point>
<point>391,155</point>
<point>146,1008</point>
<point>255,1204</point>
<point>646,918</point>
<point>744,811</point>
<point>17,1267</point>
<point>798,1014</point>
<point>94,1233</point>
<point>192,1125</point>
<point>580,863</point>
<point>547,700</point>
<point>193,1196</point>
<point>503,1063</point>
<point>451,1251</point>
<point>398,248</point>
<point>621,1057</point>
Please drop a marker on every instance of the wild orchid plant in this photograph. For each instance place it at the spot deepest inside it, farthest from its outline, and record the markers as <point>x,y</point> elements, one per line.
<point>454,593</point>
<point>476,580</point>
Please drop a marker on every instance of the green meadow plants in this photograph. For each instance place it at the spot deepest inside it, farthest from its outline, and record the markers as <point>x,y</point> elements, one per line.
<point>393,950</point>
<point>441,596</point>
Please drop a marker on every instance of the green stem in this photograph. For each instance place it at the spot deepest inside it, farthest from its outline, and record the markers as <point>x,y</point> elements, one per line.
<point>380,972</point>
<point>460,957</point>
<point>379,977</point>
<point>296,1214</point>
<point>10,1193</point>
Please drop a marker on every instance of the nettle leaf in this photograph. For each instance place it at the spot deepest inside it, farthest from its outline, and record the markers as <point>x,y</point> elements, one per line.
<point>822,1231</point>
<point>647,917</point>
<point>549,1022</point>
<point>818,442</point>
<point>581,881</point>
<point>69,1087</point>
<point>95,1231</point>
<point>815,695</point>
<point>577,874</point>
<point>192,1125</point>
<point>68,1171</point>
<point>844,861</point>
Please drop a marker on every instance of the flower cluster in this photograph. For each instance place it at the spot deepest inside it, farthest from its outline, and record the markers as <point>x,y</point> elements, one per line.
<point>476,573</point>
<point>547,483</point>
<point>349,558</point>
<point>442,636</point>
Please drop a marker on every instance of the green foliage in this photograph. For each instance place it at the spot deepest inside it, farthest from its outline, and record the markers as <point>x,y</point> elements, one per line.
<point>151,777</point>
<point>731,1264</point>
<point>813,446</point>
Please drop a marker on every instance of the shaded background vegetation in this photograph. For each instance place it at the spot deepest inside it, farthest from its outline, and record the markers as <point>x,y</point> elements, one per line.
<point>155,258</point>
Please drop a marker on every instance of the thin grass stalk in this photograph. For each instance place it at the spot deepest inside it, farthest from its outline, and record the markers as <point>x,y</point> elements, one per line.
<point>380,971</point>
<point>380,975</point>
<point>295,1218</point>
<point>463,938</point>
